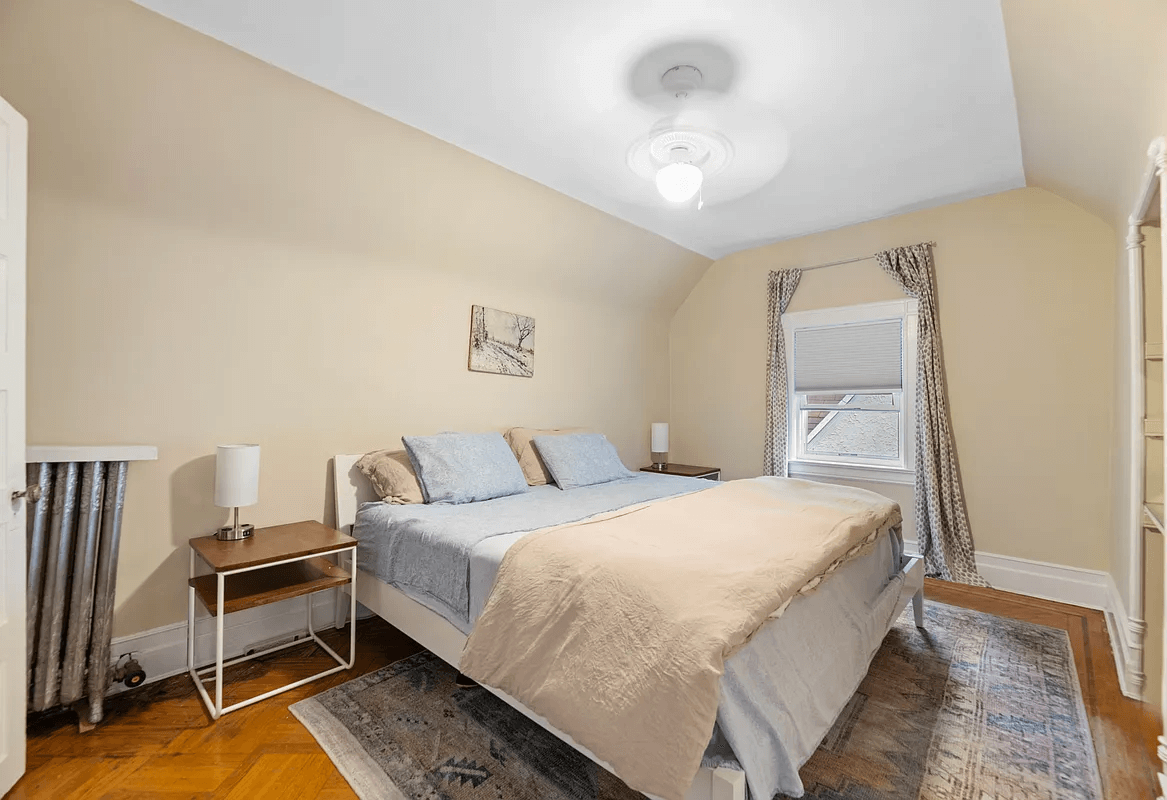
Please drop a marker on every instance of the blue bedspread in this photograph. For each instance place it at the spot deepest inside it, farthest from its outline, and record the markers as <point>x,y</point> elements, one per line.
<point>424,550</point>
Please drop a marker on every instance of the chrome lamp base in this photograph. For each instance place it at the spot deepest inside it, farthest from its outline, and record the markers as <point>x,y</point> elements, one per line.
<point>229,533</point>
<point>233,533</point>
<point>660,460</point>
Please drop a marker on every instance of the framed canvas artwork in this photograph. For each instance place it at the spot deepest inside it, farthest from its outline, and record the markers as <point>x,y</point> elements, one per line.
<point>501,342</point>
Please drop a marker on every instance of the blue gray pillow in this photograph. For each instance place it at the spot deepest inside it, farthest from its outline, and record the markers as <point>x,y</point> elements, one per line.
<point>464,467</point>
<point>580,459</point>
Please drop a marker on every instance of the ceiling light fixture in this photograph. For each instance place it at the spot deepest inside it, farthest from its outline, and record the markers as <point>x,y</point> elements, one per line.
<point>702,139</point>
<point>677,157</point>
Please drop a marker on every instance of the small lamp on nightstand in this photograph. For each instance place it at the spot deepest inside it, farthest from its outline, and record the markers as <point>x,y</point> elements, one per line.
<point>660,444</point>
<point>236,484</point>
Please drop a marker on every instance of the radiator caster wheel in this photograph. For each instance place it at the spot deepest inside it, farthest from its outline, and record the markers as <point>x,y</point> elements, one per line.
<point>133,675</point>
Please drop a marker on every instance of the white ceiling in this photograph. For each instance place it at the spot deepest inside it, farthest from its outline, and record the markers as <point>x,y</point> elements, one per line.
<point>884,107</point>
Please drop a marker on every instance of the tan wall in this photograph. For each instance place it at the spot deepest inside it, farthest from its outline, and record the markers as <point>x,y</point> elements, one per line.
<point>1026,299</point>
<point>1089,81</point>
<point>221,252</point>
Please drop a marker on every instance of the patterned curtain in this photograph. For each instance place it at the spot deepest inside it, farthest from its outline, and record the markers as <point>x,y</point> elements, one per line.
<point>782,286</point>
<point>941,518</point>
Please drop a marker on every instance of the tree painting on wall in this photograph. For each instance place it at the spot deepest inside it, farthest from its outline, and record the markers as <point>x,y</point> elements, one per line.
<point>501,342</point>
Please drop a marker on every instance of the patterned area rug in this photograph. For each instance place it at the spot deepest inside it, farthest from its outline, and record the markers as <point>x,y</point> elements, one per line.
<point>975,707</point>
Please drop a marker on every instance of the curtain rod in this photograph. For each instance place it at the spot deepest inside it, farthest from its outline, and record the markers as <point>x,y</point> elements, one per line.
<point>845,261</point>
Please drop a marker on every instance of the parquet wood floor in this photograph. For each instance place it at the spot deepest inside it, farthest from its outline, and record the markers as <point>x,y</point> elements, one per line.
<point>159,743</point>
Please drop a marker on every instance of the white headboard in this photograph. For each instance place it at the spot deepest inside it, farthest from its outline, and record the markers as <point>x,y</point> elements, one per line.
<point>352,489</point>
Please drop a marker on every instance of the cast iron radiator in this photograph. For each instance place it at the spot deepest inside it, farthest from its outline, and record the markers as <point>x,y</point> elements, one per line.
<point>73,535</point>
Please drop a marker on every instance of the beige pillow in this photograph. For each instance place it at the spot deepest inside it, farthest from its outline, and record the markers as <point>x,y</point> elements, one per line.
<point>391,473</point>
<point>520,441</point>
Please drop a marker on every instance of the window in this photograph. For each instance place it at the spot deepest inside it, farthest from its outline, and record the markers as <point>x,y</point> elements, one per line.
<point>851,383</point>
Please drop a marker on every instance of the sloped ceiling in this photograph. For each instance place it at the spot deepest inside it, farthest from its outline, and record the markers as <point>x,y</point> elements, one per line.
<point>865,109</point>
<point>1091,86</point>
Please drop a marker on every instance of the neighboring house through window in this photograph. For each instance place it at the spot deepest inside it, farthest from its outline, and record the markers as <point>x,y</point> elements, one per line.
<point>851,391</point>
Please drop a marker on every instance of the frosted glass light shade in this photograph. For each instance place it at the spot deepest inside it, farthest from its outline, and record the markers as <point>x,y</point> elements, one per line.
<point>236,475</point>
<point>660,437</point>
<point>678,182</point>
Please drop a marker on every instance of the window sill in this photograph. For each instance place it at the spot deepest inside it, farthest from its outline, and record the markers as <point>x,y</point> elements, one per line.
<point>854,472</point>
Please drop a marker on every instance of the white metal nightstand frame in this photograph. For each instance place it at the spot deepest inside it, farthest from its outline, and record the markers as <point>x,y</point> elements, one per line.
<point>215,707</point>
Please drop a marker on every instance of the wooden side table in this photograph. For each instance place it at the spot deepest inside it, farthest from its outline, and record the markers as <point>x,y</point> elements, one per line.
<point>686,471</point>
<point>273,564</point>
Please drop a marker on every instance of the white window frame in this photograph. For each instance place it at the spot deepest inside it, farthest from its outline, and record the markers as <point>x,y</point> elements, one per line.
<point>799,464</point>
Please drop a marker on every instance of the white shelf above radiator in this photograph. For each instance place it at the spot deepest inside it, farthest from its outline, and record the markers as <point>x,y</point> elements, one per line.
<point>41,454</point>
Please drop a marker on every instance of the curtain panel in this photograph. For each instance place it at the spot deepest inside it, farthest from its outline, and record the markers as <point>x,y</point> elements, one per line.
<point>942,525</point>
<point>782,286</point>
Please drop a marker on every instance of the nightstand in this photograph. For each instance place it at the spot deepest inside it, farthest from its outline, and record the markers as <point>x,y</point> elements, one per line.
<point>273,564</point>
<point>686,471</point>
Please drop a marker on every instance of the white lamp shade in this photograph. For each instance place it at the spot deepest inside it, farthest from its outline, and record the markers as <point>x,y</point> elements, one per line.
<point>660,437</point>
<point>678,182</point>
<point>236,475</point>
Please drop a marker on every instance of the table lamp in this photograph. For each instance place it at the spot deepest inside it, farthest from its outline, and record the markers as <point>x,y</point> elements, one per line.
<point>236,484</point>
<point>660,444</point>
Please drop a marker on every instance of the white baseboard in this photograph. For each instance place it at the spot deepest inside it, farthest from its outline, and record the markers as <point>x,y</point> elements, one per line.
<point>1127,640</point>
<point>1073,585</point>
<point>1062,584</point>
<point>162,651</point>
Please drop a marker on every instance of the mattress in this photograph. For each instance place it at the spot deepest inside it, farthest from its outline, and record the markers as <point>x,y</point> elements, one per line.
<point>780,694</point>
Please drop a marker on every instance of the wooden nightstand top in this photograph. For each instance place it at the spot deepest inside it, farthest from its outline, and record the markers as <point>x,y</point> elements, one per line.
<point>684,470</point>
<point>267,545</point>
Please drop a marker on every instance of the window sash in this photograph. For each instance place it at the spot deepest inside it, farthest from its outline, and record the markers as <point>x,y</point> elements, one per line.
<point>802,440</point>
<point>896,406</point>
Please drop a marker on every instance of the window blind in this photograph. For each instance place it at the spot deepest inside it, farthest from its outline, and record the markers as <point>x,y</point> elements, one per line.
<point>865,356</point>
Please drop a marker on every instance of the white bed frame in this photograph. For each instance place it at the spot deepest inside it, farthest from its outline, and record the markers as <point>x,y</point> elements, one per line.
<point>437,635</point>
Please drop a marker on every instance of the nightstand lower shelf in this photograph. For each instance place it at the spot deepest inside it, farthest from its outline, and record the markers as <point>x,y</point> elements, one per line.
<point>270,584</point>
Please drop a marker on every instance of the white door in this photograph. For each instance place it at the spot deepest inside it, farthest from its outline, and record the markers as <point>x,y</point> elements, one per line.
<point>13,215</point>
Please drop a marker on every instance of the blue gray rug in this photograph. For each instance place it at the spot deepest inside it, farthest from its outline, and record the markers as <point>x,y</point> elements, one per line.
<point>976,706</point>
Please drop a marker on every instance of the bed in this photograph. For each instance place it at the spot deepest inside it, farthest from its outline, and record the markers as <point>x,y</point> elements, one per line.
<point>887,591</point>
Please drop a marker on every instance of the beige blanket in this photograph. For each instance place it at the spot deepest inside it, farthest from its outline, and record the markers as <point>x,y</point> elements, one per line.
<point>616,629</point>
